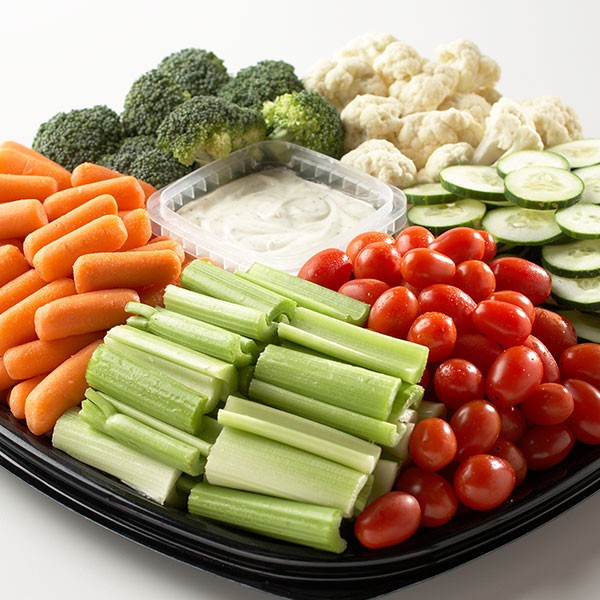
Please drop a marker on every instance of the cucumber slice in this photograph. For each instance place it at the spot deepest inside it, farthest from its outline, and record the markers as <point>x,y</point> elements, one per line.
<point>591,181</point>
<point>579,153</point>
<point>580,221</point>
<point>441,217</point>
<point>583,293</point>
<point>473,181</point>
<point>522,226</point>
<point>428,193</point>
<point>586,325</point>
<point>576,259</point>
<point>530,158</point>
<point>542,188</point>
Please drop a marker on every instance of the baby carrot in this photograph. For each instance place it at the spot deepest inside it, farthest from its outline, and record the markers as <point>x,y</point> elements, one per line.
<point>26,150</point>
<point>20,187</point>
<point>125,190</point>
<point>167,244</point>
<point>16,162</point>
<point>60,390</point>
<point>42,356</point>
<point>12,263</point>
<point>153,295</point>
<point>6,381</point>
<point>104,234</point>
<point>107,270</point>
<point>86,213</point>
<point>139,228</point>
<point>18,395</point>
<point>91,172</point>
<point>20,217</point>
<point>20,288</point>
<point>12,242</point>
<point>17,324</point>
<point>83,313</point>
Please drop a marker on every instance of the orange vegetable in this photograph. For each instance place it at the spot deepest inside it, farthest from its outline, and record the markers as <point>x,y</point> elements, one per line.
<point>19,288</point>
<point>6,381</point>
<point>103,234</point>
<point>139,228</point>
<point>12,263</point>
<point>153,295</point>
<point>167,244</point>
<point>17,324</point>
<point>126,191</point>
<point>20,217</point>
<point>83,313</point>
<point>91,173</point>
<point>16,162</point>
<point>18,395</point>
<point>60,390</point>
<point>13,242</point>
<point>86,213</point>
<point>26,187</point>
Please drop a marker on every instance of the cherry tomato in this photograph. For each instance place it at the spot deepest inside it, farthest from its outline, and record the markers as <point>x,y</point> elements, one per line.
<point>460,244</point>
<point>436,331</point>
<point>357,243</point>
<point>394,312</point>
<point>329,268</point>
<point>483,481</point>
<point>478,349</point>
<point>581,361</point>
<point>513,456</point>
<point>490,245</point>
<point>551,370</point>
<point>365,290</point>
<point>544,446</point>
<point>553,330</point>
<point>422,267</point>
<point>517,299</point>
<point>451,301</point>
<point>379,260</point>
<point>513,376</point>
<point>476,425</point>
<point>502,322</point>
<point>433,492</point>
<point>514,273</point>
<point>512,423</point>
<point>432,444</point>
<point>414,236</point>
<point>457,381</point>
<point>585,419</point>
<point>388,520</point>
<point>548,404</point>
<point>474,277</point>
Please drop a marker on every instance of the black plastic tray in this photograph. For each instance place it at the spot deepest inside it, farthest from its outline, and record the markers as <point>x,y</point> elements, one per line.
<point>281,568</point>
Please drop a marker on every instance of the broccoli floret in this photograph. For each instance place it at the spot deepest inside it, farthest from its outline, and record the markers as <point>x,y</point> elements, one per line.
<point>265,80</point>
<point>199,72</point>
<point>157,168</point>
<point>150,99</point>
<point>80,135</point>
<point>128,151</point>
<point>307,119</point>
<point>205,128</point>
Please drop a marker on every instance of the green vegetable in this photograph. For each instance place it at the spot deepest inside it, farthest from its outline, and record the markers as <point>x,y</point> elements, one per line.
<point>384,477</point>
<point>438,218</point>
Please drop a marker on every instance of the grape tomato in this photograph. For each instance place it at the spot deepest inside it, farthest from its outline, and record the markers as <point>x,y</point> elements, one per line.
<point>364,290</point>
<point>432,444</point>
<point>414,236</point>
<point>520,275</point>
<point>330,268</point>
<point>436,331</point>
<point>422,267</point>
<point>460,244</point>
<point>357,243</point>
<point>379,260</point>
<point>476,425</point>
<point>502,322</point>
<point>394,312</point>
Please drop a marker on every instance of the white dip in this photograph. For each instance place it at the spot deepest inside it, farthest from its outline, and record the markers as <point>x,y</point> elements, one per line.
<point>276,212</point>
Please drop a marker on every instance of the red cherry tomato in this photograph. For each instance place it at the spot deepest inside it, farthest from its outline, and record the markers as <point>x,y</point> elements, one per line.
<point>581,361</point>
<point>502,322</point>
<point>512,423</point>
<point>460,244</point>
<point>457,381</point>
<point>414,236</point>
<point>513,376</point>
<point>517,299</point>
<point>513,456</point>
<point>388,520</point>
<point>476,425</point>
<point>357,243</point>
<point>483,481</point>
<point>436,331</point>
<point>514,273</point>
<point>553,330</point>
<point>548,404</point>
<point>379,260</point>
<point>451,301</point>
<point>432,444</point>
<point>433,492</point>
<point>329,268</point>
<point>474,277</point>
<point>585,419</point>
<point>365,290</point>
<point>551,370</point>
<point>422,267</point>
<point>490,245</point>
<point>544,446</point>
<point>478,349</point>
<point>394,312</point>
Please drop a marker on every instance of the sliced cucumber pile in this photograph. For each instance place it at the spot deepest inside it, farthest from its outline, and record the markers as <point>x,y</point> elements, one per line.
<point>428,193</point>
<point>580,221</point>
<point>575,259</point>
<point>591,181</point>
<point>473,181</point>
<point>582,293</point>
<point>441,217</point>
<point>530,158</point>
<point>580,153</point>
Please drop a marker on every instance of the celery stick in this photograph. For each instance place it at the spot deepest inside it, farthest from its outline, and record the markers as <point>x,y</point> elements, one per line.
<point>409,396</point>
<point>331,381</point>
<point>297,522</point>
<point>243,320</point>
<point>252,463</point>
<point>245,376</point>
<point>356,345</point>
<point>309,295</point>
<point>428,409</point>
<point>301,433</point>
<point>399,451</point>
<point>143,388</point>
<point>210,429</point>
<point>408,415</point>
<point>366,428</point>
<point>363,497</point>
<point>84,443</point>
<point>384,477</point>
<point>205,278</point>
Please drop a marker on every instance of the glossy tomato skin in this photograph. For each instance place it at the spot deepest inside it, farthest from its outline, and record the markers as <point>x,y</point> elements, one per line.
<point>457,381</point>
<point>330,268</point>
<point>394,312</point>
<point>514,273</point>
<point>364,290</point>
<point>388,520</point>
<point>357,243</point>
<point>513,456</point>
<point>490,245</point>
<point>422,267</point>
<point>475,278</point>
<point>517,299</point>
<point>548,404</point>
<point>502,322</point>
<point>432,444</point>
<point>436,331</point>
<point>553,330</point>
<point>585,418</point>
<point>551,370</point>
<point>379,260</point>
<point>581,361</point>
<point>513,423</point>
<point>478,349</point>
<point>476,425</point>
<point>544,446</point>
<point>414,236</point>
<point>451,301</point>
<point>460,244</point>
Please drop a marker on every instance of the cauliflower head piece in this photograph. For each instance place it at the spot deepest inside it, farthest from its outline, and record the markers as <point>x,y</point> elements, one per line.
<point>442,157</point>
<point>478,106</point>
<point>399,62</point>
<point>554,120</point>
<point>367,46</point>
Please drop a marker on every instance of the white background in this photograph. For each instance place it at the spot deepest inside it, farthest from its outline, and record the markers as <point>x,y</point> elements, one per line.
<point>55,56</point>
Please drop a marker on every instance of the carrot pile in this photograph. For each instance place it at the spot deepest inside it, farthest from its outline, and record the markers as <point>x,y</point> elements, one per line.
<point>74,249</point>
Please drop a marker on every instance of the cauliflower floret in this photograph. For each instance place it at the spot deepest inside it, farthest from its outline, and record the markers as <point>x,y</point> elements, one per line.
<point>476,70</point>
<point>445,156</point>
<point>367,47</point>
<point>507,129</point>
<point>399,62</point>
<point>368,117</point>
<point>554,120</point>
<point>421,133</point>
<point>427,90</point>
<point>381,159</point>
<point>491,95</point>
<point>474,103</point>
<point>342,80</point>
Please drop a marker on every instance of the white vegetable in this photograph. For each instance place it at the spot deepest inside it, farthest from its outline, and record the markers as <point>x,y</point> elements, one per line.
<point>478,106</point>
<point>556,122</point>
<point>367,46</point>
<point>445,156</point>
<point>398,63</point>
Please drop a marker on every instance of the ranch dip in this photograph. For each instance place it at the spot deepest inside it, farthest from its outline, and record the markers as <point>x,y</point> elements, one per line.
<point>275,211</point>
